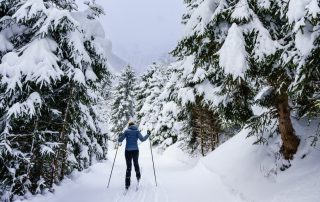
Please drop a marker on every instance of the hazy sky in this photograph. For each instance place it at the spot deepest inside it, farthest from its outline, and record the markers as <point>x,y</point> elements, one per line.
<point>142,31</point>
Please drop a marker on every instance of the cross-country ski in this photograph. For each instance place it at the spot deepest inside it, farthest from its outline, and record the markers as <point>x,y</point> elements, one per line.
<point>138,185</point>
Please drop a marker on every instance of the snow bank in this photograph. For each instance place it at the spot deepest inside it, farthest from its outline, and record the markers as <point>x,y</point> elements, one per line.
<point>174,156</point>
<point>252,171</point>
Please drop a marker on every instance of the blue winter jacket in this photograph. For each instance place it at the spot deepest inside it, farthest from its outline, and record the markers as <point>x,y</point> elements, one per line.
<point>132,134</point>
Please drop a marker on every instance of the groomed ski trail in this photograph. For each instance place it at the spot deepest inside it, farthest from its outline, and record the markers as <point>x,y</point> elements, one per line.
<point>177,182</point>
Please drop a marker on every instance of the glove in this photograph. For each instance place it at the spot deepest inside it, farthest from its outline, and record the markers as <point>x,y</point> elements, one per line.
<point>148,132</point>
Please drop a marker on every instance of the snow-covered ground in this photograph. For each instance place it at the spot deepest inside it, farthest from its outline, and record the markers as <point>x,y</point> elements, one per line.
<point>178,180</point>
<point>235,172</point>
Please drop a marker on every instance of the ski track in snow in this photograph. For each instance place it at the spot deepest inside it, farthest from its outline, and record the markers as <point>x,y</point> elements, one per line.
<point>177,181</point>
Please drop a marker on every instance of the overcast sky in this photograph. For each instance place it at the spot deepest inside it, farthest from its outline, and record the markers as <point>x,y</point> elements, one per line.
<point>142,31</point>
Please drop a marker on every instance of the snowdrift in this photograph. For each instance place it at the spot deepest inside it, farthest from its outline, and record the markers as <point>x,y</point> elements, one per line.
<point>253,171</point>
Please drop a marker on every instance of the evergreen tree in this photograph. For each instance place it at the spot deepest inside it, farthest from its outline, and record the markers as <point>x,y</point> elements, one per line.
<point>255,34</point>
<point>142,91</point>
<point>271,75</point>
<point>123,105</point>
<point>154,113</point>
<point>206,88</point>
<point>148,90</point>
<point>50,67</point>
<point>304,27</point>
<point>260,30</point>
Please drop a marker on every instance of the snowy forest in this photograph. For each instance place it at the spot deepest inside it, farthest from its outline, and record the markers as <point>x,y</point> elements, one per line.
<point>239,102</point>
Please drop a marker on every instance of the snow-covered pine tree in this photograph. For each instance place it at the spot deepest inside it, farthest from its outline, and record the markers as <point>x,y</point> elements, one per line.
<point>304,23</point>
<point>255,40</point>
<point>253,34</point>
<point>50,66</point>
<point>124,99</point>
<point>168,129</point>
<point>148,89</point>
<point>152,113</point>
<point>142,91</point>
<point>271,74</point>
<point>205,88</point>
<point>190,94</point>
<point>103,110</point>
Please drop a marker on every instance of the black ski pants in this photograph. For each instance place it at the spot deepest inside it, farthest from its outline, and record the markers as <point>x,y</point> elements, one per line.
<point>132,156</point>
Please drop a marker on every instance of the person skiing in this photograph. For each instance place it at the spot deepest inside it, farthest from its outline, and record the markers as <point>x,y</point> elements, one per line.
<point>132,134</point>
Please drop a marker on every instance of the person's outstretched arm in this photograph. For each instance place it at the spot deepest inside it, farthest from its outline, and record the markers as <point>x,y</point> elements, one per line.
<point>122,136</point>
<point>141,138</point>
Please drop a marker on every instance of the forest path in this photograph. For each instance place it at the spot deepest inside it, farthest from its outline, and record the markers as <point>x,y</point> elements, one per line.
<point>178,181</point>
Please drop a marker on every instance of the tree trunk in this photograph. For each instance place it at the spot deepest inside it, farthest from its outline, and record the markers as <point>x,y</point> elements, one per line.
<point>32,146</point>
<point>290,141</point>
<point>202,135</point>
<point>32,165</point>
<point>213,132</point>
<point>217,140</point>
<point>64,136</point>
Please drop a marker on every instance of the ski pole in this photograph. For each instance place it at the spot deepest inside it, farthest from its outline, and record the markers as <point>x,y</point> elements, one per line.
<point>154,170</point>
<point>113,164</point>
